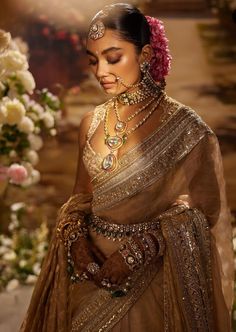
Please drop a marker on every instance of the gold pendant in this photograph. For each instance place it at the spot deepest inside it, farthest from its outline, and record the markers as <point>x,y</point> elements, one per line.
<point>114,142</point>
<point>109,162</point>
<point>120,126</point>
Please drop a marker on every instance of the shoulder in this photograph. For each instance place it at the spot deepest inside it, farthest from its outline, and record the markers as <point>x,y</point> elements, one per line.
<point>187,115</point>
<point>97,113</point>
<point>90,119</point>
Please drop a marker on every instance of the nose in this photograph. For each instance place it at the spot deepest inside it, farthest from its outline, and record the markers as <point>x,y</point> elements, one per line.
<point>101,70</point>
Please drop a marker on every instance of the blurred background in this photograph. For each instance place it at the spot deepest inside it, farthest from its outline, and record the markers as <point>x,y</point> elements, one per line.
<point>202,41</point>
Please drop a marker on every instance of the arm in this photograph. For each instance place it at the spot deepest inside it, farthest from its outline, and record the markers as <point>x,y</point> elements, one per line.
<point>82,179</point>
<point>80,250</point>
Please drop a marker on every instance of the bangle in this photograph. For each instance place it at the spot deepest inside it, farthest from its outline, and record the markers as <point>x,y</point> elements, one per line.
<point>128,256</point>
<point>146,247</point>
<point>161,243</point>
<point>136,250</point>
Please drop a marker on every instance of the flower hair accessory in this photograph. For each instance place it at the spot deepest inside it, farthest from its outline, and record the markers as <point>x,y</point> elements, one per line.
<point>161,61</point>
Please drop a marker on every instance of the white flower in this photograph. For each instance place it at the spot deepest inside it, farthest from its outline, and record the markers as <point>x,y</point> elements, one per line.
<point>36,142</point>
<point>9,256</point>
<point>27,80</point>
<point>37,130</point>
<point>11,111</point>
<point>13,284</point>
<point>6,241</point>
<point>36,268</point>
<point>35,175</point>
<point>31,279</point>
<point>13,60</point>
<point>22,263</point>
<point>12,154</point>
<point>28,167</point>
<point>21,45</point>
<point>5,38</point>
<point>3,250</point>
<point>41,247</point>
<point>58,115</point>
<point>48,120</point>
<point>33,116</point>
<point>32,157</point>
<point>53,132</point>
<point>38,109</point>
<point>26,100</point>
<point>18,206</point>
<point>14,223</point>
<point>26,125</point>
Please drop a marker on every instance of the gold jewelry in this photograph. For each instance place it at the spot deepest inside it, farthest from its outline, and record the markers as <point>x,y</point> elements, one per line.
<point>128,86</point>
<point>93,268</point>
<point>149,88</point>
<point>109,162</point>
<point>97,30</point>
<point>119,123</point>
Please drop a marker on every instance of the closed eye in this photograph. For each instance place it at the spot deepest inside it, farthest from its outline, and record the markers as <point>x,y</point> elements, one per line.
<point>113,61</point>
<point>92,62</point>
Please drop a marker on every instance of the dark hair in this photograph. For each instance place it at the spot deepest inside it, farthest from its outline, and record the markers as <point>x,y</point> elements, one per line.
<point>128,21</point>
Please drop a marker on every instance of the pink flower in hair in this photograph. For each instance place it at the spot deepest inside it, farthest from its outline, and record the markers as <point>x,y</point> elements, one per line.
<point>161,61</point>
<point>17,173</point>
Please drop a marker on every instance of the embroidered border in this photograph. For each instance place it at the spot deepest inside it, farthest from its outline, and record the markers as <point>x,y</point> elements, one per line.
<point>188,245</point>
<point>103,312</point>
<point>148,164</point>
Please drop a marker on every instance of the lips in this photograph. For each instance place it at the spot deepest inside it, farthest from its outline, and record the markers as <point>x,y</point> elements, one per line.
<point>107,85</point>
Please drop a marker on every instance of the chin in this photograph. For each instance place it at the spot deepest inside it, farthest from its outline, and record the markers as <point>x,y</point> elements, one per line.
<point>112,91</point>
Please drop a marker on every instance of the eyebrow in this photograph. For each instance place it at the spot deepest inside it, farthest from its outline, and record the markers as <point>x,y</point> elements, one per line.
<point>107,50</point>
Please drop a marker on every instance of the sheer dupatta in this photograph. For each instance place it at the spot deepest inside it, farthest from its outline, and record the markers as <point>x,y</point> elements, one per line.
<point>49,309</point>
<point>183,162</point>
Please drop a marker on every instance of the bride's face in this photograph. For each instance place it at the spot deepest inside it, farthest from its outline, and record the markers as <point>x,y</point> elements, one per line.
<point>111,57</point>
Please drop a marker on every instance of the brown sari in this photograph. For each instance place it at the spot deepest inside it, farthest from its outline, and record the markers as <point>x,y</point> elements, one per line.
<point>190,288</point>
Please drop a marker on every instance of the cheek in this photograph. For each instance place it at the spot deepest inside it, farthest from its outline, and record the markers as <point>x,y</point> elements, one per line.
<point>130,66</point>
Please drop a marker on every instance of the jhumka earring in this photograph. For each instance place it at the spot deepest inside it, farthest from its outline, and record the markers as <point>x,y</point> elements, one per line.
<point>145,67</point>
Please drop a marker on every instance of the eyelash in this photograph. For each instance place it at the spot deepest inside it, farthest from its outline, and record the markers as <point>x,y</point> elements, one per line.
<point>111,62</point>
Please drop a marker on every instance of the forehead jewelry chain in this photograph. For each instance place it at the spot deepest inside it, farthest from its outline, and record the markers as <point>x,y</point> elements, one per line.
<point>115,142</point>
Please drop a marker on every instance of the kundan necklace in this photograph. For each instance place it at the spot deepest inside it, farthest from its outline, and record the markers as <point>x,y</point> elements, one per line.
<point>116,141</point>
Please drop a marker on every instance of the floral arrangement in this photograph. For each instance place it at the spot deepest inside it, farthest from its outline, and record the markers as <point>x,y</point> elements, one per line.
<point>21,251</point>
<point>22,119</point>
<point>161,61</point>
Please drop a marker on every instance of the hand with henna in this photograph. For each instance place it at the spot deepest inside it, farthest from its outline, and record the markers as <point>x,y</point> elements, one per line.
<point>114,269</point>
<point>83,252</point>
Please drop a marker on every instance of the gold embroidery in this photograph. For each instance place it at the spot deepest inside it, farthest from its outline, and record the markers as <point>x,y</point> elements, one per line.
<point>103,312</point>
<point>188,246</point>
<point>93,160</point>
<point>154,158</point>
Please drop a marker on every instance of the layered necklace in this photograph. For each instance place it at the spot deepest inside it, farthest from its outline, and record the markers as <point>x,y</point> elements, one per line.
<point>115,142</point>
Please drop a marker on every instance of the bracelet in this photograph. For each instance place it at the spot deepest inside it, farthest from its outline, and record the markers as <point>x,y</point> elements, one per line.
<point>146,247</point>
<point>136,250</point>
<point>152,245</point>
<point>128,256</point>
<point>71,235</point>
<point>161,242</point>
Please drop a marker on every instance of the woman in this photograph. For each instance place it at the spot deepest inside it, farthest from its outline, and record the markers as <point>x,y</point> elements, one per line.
<point>146,235</point>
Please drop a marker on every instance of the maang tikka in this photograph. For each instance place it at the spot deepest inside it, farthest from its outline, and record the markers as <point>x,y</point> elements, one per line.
<point>97,30</point>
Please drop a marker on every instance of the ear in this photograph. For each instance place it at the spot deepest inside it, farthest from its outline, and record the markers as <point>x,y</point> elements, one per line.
<point>146,54</point>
